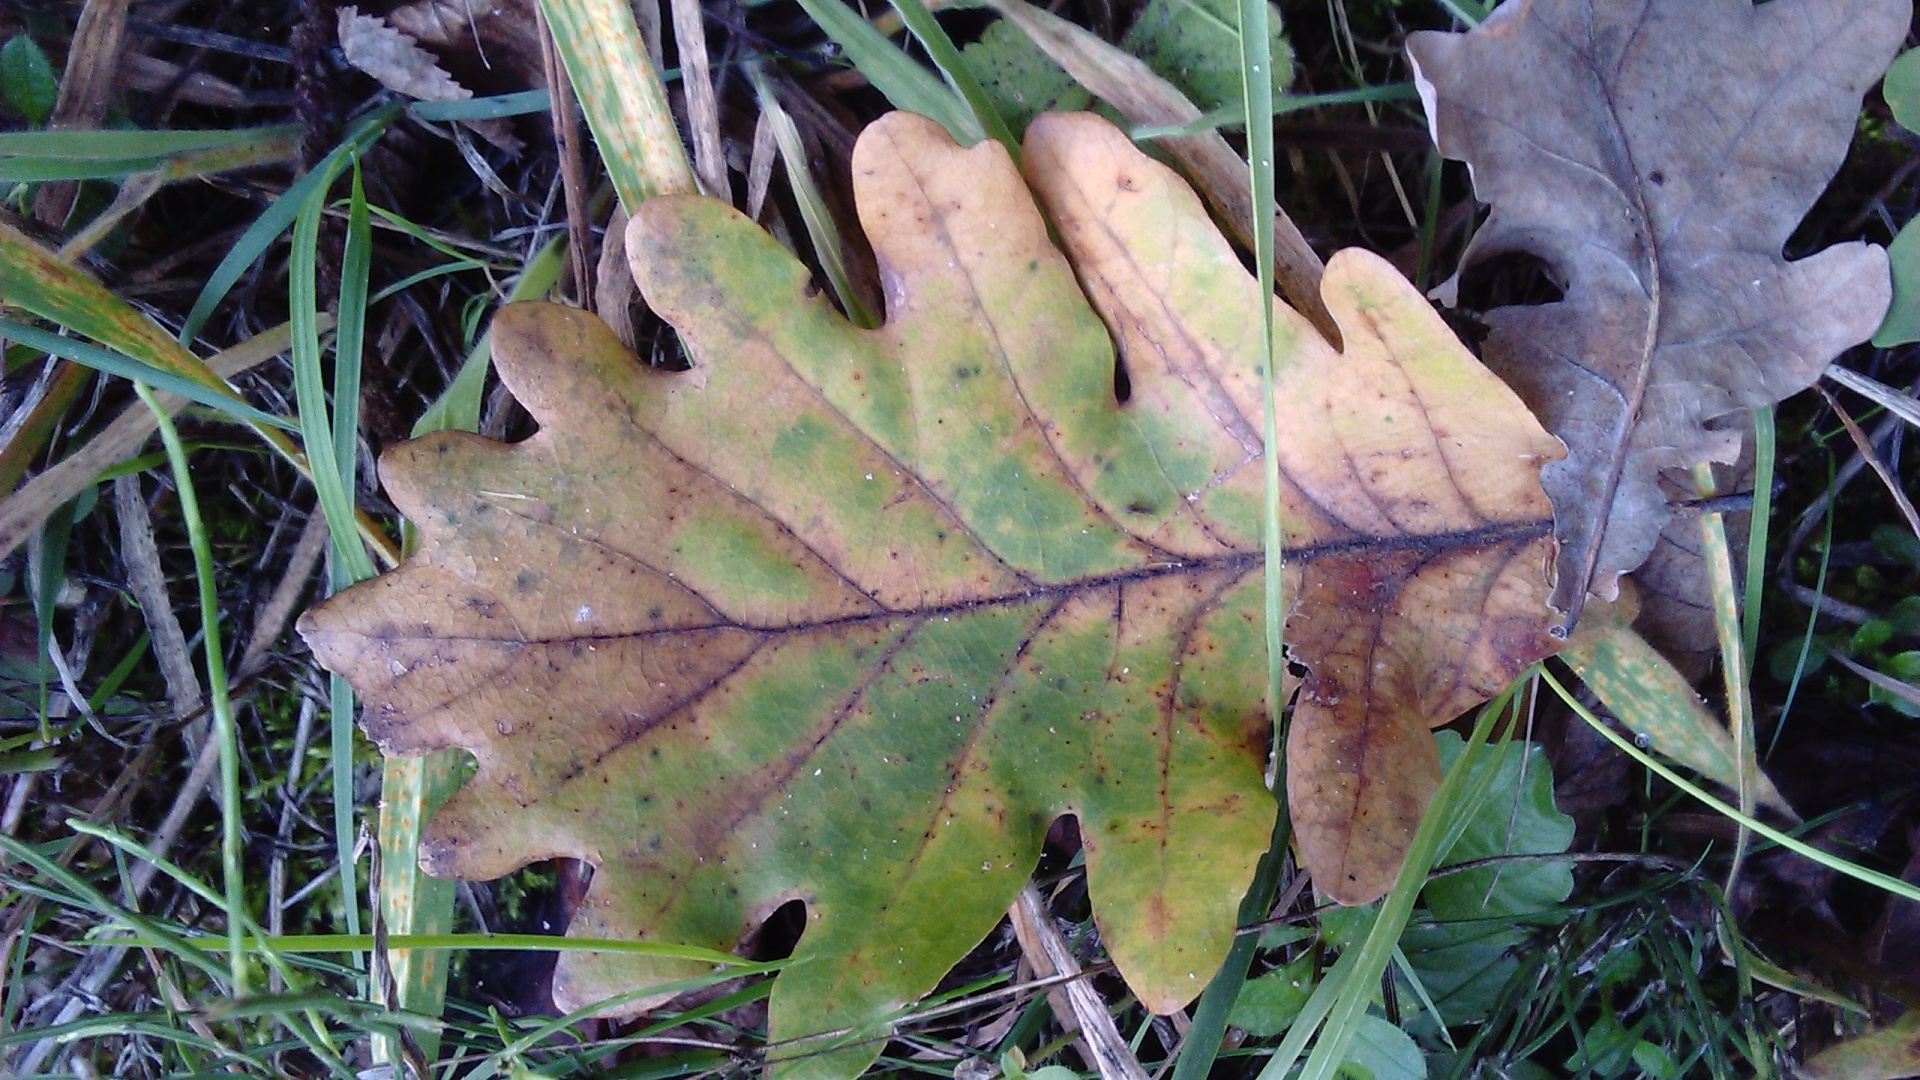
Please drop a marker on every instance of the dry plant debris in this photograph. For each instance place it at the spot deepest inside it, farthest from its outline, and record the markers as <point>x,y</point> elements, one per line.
<point>1657,156</point>
<point>394,59</point>
<point>850,616</point>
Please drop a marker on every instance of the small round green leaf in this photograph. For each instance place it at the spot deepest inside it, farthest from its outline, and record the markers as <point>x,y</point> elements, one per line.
<point>27,82</point>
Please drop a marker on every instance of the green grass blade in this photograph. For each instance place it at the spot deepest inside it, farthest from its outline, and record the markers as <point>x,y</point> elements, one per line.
<point>821,231</point>
<point>1875,878</point>
<point>350,332</point>
<point>1813,615</point>
<point>91,157</point>
<point>1407,972</point>
<point>1465,782</point>
<point>1342,998</point>
<point>1318,1007</point>
<point>1764,451</point>
<point>81,893</point>
<point>458,406</point>
<point>47,568</point>
<point>1257,86</point>
<point>498,107</point>
<point>165,866</point>
<point>904,82</point>
<point>621,96</point>
<point>39,171</point>
<point>110,145</point>
<point>224,730</point>
<point>262,943</point>
<point>412,903</point>
<point>418,233</point>
<point>460,266</point>
<point>1202,1044</point>
<point>127,1025</point>
<point>1470,12</point>
<point>279,216</point>
<point>340,752</point>
<point>319,944</point>
<point>310,394</point>
<point>959,76</point>
<point>126,367</point>
<point>350,562</point>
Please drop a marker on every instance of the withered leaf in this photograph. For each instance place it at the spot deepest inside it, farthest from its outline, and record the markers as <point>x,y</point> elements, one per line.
<point>394,59</point>
<point>1657,154</point>
<point>851,616</point>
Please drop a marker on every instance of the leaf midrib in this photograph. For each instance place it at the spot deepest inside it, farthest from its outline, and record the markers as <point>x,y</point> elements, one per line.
<point>1435,544</point>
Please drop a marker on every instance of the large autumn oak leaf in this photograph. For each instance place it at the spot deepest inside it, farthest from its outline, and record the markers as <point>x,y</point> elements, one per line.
<point>851,616</point>
<point>1657,154</point>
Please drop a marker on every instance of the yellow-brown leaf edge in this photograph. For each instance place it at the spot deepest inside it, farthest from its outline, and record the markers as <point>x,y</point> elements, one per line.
<point>850,616</point>
<point>1409,486</point>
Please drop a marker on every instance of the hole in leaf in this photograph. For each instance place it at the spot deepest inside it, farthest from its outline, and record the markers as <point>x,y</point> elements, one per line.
<point>776,938</point>
<point>1061,847</point>
<point>1510,279</point>
<point>659,344</point>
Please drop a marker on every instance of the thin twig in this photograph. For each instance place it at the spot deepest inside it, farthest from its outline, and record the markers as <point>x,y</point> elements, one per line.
<point>274,616</point>
<point>1816,511</point>
<point>148,583</point>
<point>1047,953</point>
<point>1906,692</point>
<point>1865,446</point>
<point>283,835</point>
<point>573,170</point>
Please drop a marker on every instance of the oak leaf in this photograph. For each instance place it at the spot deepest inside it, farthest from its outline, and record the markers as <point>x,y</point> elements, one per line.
<point>851,616</point>
<point>1657,154</point>
<point>393,59</point>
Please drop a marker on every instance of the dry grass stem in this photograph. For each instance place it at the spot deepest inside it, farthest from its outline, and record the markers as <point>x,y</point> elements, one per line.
<point>1872,458</point>
<point>703,111</point>
<point>148,583</point>
<point>1047,954</point>
<point>86,88</point>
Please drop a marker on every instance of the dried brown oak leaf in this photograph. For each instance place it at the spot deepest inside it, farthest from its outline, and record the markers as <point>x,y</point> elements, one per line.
<point>851,616</point>
<point>394,59</point>
<point>1657,154</point>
